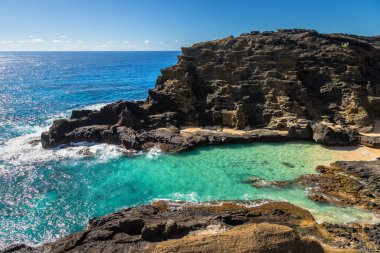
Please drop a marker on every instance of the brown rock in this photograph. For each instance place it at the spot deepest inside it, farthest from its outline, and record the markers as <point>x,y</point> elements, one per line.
<point>244,225</point>
<point>287,80</point>
<point>258,238</point>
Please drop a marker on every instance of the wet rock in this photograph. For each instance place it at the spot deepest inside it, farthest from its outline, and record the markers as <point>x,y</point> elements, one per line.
<point>343,183</point>
<point>34,142</point>
<point>77,114</point>
<point>256,182</point>
<point>288,164</point>
<point>86,152</point>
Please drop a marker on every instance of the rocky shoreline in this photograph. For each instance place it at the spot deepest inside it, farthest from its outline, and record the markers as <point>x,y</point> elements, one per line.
<point>343,183</point>
<point>272,86</point>
<point>299,82</point>
<point>214,227</point>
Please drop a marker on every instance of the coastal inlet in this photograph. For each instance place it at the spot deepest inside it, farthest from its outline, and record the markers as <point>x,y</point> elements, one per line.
<point>55,192</point>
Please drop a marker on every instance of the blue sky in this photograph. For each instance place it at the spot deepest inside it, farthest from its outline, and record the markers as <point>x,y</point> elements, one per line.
<point>169,24</point>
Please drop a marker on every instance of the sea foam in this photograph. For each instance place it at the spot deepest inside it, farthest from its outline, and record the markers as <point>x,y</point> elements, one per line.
<point>27,149</point>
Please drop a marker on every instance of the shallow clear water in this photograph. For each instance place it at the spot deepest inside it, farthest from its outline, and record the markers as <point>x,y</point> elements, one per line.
<point>45,194</point>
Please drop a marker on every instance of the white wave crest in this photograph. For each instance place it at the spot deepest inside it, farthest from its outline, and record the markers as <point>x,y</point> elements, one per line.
<point>95,107</point>
<point>27,150</point>
<point>192,196</point>
<point>154,153</point>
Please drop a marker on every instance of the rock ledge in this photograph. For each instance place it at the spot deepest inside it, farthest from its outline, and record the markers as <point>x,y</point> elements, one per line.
<point>298,81</point>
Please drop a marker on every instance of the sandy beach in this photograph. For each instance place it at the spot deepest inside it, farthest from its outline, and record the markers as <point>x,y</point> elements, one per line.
<point>358,153</point>
<point>351,153</point>
<point>232,131</point>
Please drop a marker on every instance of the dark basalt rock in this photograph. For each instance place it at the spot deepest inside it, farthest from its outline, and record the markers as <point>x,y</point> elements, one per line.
<point>335,136</point>
<point>212,227</point>
<point>343,183</point>
<point>296,80</point>
<point>370,141</point>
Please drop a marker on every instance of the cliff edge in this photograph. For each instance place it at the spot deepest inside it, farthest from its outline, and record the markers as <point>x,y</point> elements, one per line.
<point>284,85</point>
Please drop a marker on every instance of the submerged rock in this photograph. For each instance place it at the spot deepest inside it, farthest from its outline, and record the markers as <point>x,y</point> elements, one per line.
<point>299,82</point>
<point>353,183</point>
<point>257,182</point>
<point>347,183</point>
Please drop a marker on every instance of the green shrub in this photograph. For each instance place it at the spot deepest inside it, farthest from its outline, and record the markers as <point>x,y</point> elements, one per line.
<point>345,44</point>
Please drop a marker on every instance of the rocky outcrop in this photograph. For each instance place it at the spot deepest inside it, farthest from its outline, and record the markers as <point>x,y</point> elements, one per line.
<point>310,85</point>
<point>370,141</point>
<point>335,135</point>
<point>213,227</point>
<point>346,184</point>
<point>261,237</point>
<point>354,183</point>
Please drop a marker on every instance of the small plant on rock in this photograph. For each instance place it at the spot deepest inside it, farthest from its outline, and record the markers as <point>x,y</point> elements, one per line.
<point>345,44</point>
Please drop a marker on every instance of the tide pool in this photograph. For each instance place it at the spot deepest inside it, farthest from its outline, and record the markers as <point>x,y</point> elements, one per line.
<point>55,192</point>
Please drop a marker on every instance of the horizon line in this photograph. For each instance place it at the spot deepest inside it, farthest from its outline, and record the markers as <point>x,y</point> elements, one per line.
<point>91,50</point>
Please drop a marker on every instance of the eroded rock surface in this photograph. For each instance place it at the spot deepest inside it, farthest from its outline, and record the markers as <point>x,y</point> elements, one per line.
<point>213,227</point>
<point>352,183</point>
<point>347,184</point>
<point>298,81</point>
<point>262,237</point>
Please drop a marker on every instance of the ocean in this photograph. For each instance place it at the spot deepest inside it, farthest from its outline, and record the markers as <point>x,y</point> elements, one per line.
<point>46,194</point>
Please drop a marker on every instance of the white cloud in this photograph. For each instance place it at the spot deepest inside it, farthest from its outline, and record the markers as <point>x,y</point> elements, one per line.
<point>61,41</point>
<point>81,42</point>
<point>176,41</point>
<point>6,41</point>
<point>107,44</point>
<point>126,42</point>
<point>104,45</point>
<point>147,42</point>
<point>32,39</point>
<point>37,40</point>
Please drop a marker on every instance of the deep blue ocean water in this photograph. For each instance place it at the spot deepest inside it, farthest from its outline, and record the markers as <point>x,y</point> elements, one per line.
<point>46,194</point>
<point>35,86</point>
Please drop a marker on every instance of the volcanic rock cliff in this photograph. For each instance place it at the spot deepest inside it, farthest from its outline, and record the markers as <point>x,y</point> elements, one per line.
<point>284,85</point>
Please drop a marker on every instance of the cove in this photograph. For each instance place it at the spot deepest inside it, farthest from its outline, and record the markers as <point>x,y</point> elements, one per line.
<point>57,191</point>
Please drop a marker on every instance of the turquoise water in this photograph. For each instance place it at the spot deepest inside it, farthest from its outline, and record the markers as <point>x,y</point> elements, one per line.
<point>45,194</point>
<point>55,192</point>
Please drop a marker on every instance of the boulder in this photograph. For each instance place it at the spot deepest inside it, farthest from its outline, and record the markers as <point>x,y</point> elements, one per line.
<point>334,135</point>
<point>370,141</point>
